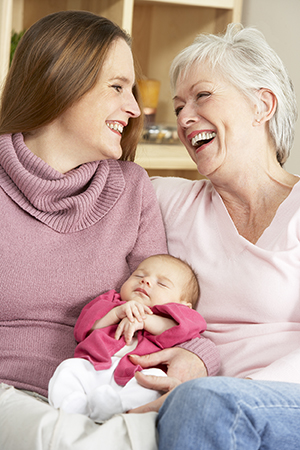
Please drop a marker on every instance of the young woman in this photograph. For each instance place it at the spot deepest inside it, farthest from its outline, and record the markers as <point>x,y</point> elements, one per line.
<point>77,217</point>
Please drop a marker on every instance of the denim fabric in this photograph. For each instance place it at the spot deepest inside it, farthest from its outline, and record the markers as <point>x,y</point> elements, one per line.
<point>222,413</point>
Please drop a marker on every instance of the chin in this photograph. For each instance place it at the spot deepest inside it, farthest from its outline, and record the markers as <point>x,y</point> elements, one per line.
<point>116,155</point>
<point>209,167</point>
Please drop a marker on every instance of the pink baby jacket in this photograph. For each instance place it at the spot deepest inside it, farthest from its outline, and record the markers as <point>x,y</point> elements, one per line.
<point>99,346</point>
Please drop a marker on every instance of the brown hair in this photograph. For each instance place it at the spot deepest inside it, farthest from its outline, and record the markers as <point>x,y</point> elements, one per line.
<point>56,62</point>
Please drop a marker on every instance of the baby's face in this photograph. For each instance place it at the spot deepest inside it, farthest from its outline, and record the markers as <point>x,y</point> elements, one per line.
<point>156,281</point>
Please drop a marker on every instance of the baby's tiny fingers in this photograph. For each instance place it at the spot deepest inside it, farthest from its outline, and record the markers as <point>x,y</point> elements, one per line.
<point>129,314</point>
<point>148,310</point>
<point>128,335</point>
<point>118,334</point>
<point>119,330</point>
<point>137,312</point>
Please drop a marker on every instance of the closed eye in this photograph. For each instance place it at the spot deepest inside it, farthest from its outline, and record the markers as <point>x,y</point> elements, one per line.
<point>202,94</point>
<point>164,285</point>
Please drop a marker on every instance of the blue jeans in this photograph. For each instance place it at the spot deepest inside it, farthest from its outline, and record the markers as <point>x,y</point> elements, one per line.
<point>220,413</point>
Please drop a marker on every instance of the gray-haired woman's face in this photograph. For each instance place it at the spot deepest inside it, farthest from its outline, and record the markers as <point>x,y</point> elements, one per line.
<point>215,121</point>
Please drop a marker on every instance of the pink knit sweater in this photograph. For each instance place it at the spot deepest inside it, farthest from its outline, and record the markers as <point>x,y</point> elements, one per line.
<point>64,239</point>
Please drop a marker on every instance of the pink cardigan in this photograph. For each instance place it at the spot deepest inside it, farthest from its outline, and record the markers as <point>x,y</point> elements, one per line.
<point>100,345</point>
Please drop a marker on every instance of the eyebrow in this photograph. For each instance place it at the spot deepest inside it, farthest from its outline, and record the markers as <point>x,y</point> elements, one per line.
<point>191,88</point>
<point>121,78</point>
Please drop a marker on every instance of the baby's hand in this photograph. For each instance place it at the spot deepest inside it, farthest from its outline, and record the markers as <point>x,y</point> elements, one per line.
<point>133,310</point>
<point>127,329</point>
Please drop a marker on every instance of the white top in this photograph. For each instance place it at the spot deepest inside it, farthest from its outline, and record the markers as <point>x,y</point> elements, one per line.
<point>249,293</point>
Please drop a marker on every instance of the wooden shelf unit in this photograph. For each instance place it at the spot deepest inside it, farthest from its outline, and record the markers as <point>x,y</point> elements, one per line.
<point>159,29</point>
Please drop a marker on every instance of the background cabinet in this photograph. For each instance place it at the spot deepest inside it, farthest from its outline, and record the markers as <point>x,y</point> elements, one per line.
<point>159,29</point>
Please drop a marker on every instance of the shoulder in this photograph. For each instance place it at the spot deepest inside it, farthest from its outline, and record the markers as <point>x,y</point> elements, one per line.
<point>111,298</point>
<point>132,169</point>
<point>137,180</point>
<point>172,186</point>
<point>134,174</point>
<point>178,194</point>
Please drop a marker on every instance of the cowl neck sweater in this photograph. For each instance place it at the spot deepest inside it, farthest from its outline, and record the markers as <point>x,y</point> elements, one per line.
<point>66,238</point>
<point>67,202</point>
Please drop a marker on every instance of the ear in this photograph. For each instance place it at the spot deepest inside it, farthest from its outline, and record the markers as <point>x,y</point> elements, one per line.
<point>266,107</point>
<point>187,304</point>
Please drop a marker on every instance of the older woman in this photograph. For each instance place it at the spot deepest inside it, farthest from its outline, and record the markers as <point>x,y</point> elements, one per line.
<point>75,221</point>
<point>240,229</point>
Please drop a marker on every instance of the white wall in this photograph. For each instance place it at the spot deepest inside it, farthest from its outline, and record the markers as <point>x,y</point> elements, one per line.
<point>279,20</point>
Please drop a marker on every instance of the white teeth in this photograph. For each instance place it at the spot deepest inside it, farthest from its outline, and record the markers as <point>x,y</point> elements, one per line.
<point>115,126</point>
<point>202,137</point>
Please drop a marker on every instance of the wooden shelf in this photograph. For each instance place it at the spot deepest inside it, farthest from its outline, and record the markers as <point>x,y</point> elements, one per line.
<point>165,157</point>
<point>226,4</point>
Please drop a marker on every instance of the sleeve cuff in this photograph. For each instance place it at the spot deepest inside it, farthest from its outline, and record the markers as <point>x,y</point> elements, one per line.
<point>207,351</point>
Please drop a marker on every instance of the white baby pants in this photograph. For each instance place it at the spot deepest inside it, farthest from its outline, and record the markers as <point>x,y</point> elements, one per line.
<point>76,387</point>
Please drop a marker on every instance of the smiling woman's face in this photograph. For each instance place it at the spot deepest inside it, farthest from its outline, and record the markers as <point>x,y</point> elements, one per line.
<point>214,119</point>
<point>95,123</point>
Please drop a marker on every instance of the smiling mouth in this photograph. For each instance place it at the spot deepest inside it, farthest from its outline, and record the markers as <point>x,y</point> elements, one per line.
<point>202,138</point>
<point>116,126</point>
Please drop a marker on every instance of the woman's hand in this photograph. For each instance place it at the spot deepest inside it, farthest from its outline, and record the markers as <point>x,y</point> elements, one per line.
<point>182,365</point>
<point>166,384</point>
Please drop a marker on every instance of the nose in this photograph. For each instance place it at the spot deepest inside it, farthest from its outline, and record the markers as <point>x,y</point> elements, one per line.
<point>132,107</point>
<point>146,281</point>
<point>187,116</point>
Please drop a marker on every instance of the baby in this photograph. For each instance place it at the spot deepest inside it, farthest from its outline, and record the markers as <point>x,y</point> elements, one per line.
<point>153,311</point>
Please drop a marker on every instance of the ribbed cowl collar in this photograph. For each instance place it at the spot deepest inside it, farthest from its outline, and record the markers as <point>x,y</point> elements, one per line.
<point>67,202</point>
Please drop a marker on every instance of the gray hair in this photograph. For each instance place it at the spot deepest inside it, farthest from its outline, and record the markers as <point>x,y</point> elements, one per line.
<point>249,63</point>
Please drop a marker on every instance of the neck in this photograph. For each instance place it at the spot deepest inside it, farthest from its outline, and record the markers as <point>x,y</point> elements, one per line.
<point>49,148</point>
<point>252,197</point>
<point>250,188</point>
<point>248,179</point>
